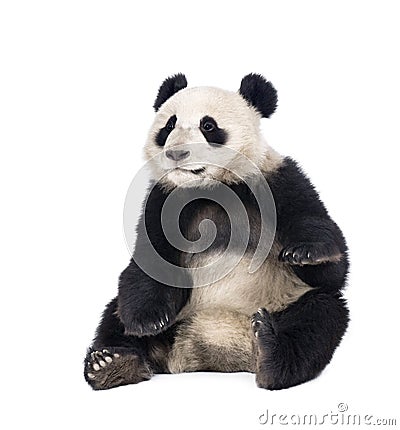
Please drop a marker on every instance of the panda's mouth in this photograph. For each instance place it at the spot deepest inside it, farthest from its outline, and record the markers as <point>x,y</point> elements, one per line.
<point>197,171</point>
<point>194,171</point>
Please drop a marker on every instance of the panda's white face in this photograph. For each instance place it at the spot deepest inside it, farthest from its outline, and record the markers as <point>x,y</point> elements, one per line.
<point>201,134</point>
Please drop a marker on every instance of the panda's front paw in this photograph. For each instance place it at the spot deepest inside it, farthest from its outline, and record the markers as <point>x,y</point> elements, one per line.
<point>310,253</point>
<point>149,322</point>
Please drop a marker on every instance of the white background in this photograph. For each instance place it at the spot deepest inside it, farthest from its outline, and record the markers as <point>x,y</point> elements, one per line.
<point>78,80</point>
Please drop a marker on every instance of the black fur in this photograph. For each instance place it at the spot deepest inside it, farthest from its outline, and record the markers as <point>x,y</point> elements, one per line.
<point>259,93</point>
<point>115,367</point>
<point>164,132</point>
<point>141,353</point>
<point>147,307</point>
<point>296,344</point>
<point>303,224</point>
<point>168,88</point>
<point>138,327</point>
<point>215,136</point>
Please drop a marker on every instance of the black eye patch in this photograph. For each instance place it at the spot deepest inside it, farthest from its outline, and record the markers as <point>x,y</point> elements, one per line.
<point>212,133</point>
<point>164,132</point>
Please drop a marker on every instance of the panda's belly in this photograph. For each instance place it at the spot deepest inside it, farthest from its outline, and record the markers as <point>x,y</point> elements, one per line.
<point>272,286</point>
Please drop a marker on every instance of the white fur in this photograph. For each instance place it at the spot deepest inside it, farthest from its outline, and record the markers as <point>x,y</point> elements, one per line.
<point>273,286</point>
<point>217,317</point>
<point>233,114</point>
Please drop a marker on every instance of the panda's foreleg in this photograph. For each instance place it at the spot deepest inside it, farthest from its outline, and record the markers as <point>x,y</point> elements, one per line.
<point>147,307</point>
<point>294,345</point>
<point>115,358</point>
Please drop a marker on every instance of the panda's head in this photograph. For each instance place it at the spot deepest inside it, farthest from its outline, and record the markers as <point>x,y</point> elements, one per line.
<point>203,134</point>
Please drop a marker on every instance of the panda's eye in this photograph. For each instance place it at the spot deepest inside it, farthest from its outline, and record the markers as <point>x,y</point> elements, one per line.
<point>208,126</point>
<point>162,135</point>
<point>171,123</point>
<point>211,132</point>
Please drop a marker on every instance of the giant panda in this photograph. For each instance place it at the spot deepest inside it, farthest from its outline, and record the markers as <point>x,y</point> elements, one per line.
<point>282,321</point>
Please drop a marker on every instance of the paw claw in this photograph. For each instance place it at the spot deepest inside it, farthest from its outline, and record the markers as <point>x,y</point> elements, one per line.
<point>306,253</point>
<point>97,362</point>
<point>261,322</point>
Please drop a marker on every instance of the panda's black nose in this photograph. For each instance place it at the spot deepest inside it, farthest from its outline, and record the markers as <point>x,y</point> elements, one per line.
<point>177,154</point>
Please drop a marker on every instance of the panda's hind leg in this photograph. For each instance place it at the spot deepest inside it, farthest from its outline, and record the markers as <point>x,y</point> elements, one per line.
<point>116,359</point>
<point>293,346</point>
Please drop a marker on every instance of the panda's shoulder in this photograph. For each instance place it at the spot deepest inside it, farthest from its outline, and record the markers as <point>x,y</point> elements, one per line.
<point>290,185</point>
<point>288,170</point>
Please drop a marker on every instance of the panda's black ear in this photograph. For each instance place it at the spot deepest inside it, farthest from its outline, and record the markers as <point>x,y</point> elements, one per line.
<point>168,88</point>
<point>259,93</point>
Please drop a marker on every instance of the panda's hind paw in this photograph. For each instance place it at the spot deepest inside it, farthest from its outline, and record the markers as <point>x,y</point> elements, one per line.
<point>262,324</point>
<point>112,367</point>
